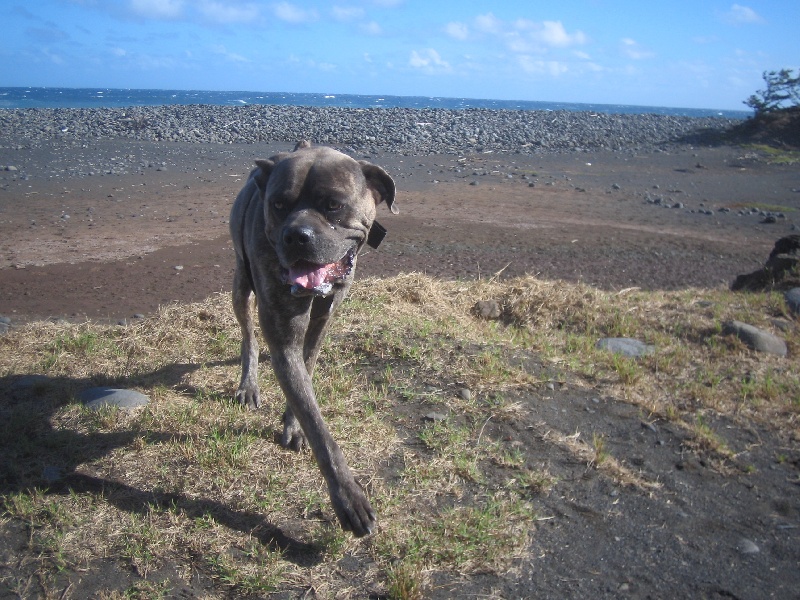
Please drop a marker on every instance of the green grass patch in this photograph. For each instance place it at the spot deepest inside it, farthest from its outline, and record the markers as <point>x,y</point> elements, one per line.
<point>197,482</point>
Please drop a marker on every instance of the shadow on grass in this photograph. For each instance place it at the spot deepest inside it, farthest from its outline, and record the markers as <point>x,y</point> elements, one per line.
<point>34,456</point>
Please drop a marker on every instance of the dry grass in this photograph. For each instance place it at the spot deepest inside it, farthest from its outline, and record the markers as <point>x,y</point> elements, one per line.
<point>194,482</point>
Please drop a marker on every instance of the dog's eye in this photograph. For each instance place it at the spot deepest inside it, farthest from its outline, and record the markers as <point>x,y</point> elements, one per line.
<point>277,205</point>
<point>333,205</point>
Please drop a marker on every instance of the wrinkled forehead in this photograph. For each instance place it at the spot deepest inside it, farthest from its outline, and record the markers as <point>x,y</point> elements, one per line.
<point>316,171</point>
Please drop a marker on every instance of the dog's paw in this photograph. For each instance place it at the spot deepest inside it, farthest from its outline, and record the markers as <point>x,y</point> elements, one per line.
<point>293,437</point>
<point>249,397</point>
<point>353,509</point>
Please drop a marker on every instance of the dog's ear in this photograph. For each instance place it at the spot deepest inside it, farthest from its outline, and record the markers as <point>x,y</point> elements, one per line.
<point>261,173</point>
<point>381,185</point>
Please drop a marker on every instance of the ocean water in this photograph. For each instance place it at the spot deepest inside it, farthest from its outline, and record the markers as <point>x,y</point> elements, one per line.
<point>117,98</point>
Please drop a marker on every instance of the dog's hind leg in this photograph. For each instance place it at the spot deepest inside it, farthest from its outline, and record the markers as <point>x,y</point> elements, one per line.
<point>247,394</point>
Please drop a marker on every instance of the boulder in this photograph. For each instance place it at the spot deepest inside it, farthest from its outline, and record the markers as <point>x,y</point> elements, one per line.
<point>756,339</point>
<point>780,272</point>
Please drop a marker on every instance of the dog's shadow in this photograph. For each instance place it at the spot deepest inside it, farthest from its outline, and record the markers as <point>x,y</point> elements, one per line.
<point>34,455</point>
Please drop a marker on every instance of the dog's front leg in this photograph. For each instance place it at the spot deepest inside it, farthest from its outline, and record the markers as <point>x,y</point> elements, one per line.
<point>321,311</point>
<point>348,498</point>
<point>286,342</point>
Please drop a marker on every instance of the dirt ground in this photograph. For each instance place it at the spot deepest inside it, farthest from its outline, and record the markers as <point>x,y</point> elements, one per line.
<point>110,246</point>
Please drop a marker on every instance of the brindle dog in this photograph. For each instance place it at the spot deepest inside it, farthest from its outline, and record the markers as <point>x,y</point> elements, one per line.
<point>297,227</point>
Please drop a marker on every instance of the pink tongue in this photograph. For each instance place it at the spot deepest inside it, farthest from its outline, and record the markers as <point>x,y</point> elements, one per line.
<point>308,275</point>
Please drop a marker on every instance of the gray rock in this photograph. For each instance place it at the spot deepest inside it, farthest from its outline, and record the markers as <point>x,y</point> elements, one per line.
<point>26,385</point>
<point>488,309</point>
<point>746,546</point>
<point>51,474</point>
<point>435,417</point>
<point>626,346</point>
<point>465,394</point>
<point>792,298</point>
<point>99,397</point>
<point>757,339</point>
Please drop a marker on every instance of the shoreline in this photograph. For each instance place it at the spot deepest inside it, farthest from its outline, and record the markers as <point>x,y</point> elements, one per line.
<point>368,130</point>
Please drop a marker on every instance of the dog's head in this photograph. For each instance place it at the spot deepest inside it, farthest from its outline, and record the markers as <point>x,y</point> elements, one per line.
<point>319,207</point>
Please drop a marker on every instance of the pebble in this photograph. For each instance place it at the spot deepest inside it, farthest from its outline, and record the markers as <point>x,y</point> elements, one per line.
<point>435,417</point>
<point>626,346</point>
<point>465,394</point>
<point>25,385</point>
<point>756,339</point>
<point>99,397</point>
<point>792,298</point>
<point>51,474</point>
<point>746,546</point>
<point>488,309</point>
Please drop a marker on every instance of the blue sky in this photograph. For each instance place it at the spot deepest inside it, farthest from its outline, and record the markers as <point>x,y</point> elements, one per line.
<point>681,53</point>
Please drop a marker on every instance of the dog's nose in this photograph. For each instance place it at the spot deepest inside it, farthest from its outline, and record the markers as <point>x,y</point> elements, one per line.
<point>298,236</point>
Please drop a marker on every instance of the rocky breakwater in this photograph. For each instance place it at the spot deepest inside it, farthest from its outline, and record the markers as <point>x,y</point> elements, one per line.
<point>396,130</point>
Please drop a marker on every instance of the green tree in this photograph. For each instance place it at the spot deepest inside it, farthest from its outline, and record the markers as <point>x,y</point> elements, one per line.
<point>783,90</point>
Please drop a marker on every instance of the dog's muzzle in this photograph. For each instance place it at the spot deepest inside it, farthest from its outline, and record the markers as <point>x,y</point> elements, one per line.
<point>310,279</point>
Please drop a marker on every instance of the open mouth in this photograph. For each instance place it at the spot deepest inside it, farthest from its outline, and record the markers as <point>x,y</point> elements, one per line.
<point>308,278</point>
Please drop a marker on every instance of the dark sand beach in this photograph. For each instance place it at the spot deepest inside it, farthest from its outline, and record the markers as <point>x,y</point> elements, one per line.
<point>119,242</point>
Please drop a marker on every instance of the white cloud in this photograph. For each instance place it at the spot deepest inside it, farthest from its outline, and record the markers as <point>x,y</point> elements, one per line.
<point>371,28</point>
<point>538,66</point>
<point>742,15</point>
<point>293,14</point>
<point>428,60</point>
<point>157,9</point>
<point>119,52</point>
<point>347,13</point>
<point>231,56</point>
<point>552,33</point>
<point>459,31</point>
<point>221,12</point>
<point>310,63</point>
<point>522,36</point>
<point>54,58</point>
<point>633,50</point>
<point>705,39</point>
<point>488,23</point>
